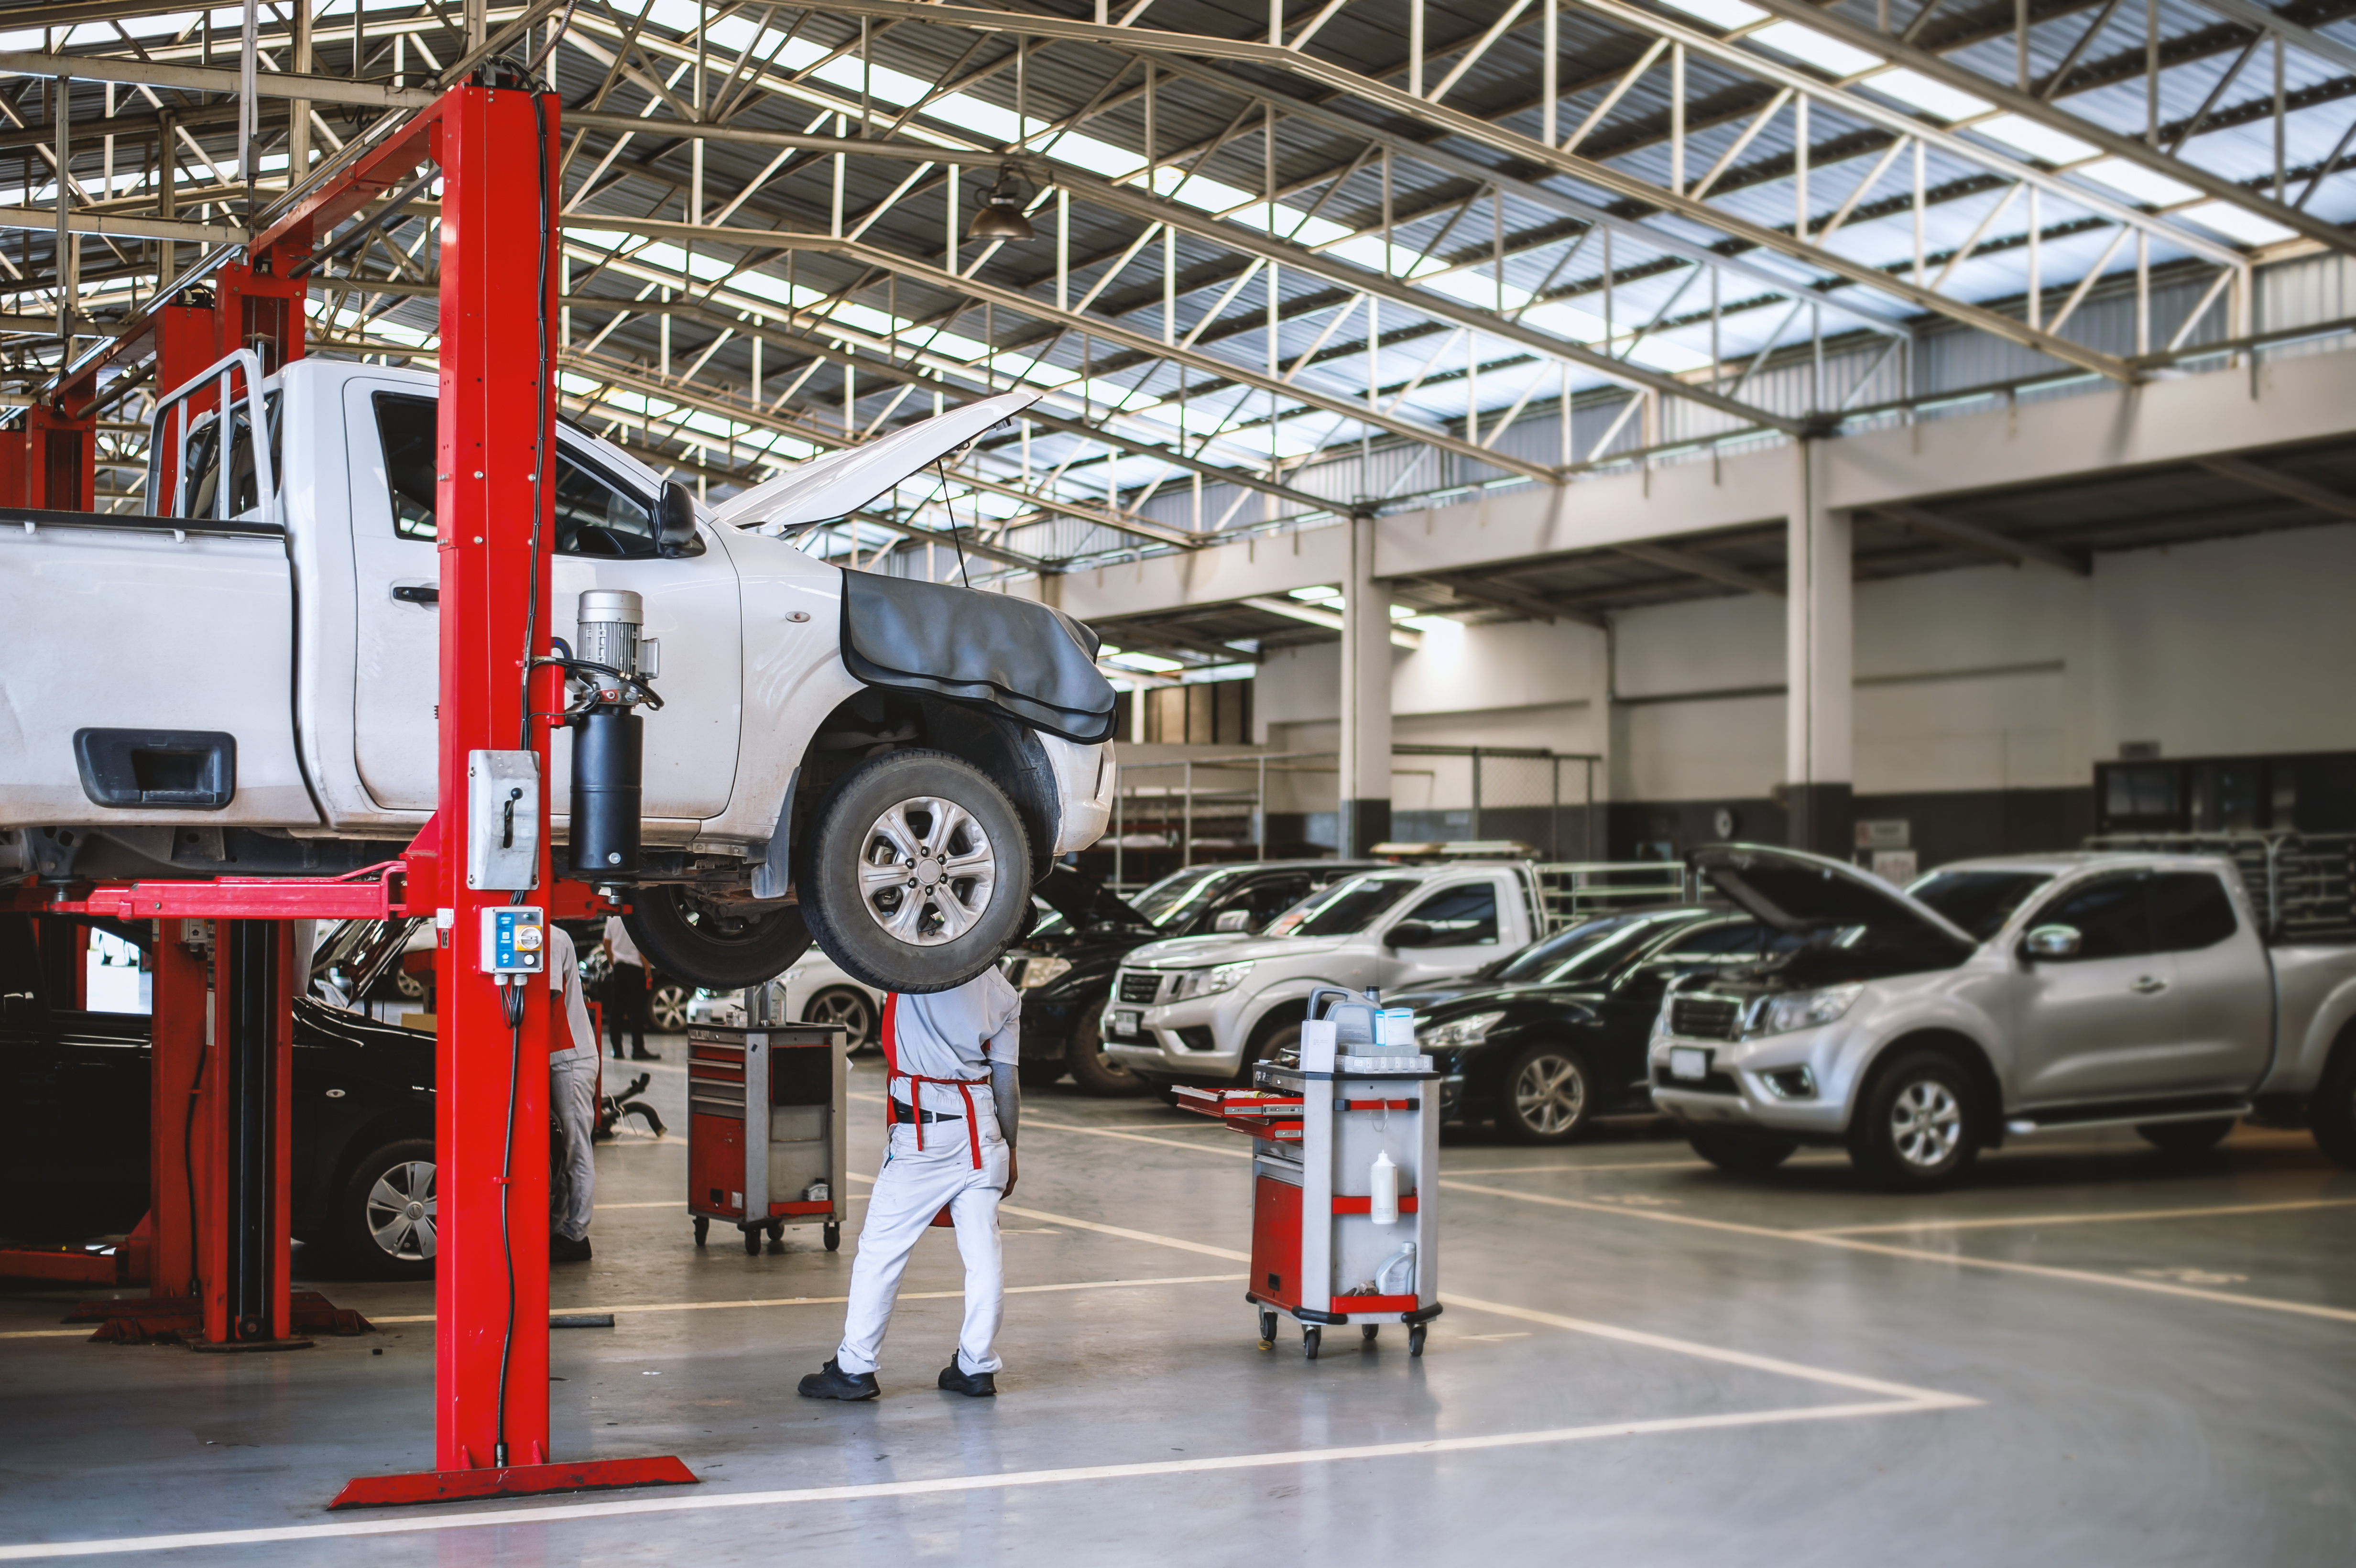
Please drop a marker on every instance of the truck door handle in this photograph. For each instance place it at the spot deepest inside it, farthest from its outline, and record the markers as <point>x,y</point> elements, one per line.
<point>417,593</point>
<point>2146,984</point>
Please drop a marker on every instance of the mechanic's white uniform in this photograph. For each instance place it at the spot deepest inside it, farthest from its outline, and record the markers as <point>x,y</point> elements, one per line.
<point>572,1094</point>
<point>950,1038</point>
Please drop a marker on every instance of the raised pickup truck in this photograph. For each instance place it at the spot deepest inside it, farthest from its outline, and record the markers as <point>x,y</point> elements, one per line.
<point>246,682</point>
<point>2010,998</point>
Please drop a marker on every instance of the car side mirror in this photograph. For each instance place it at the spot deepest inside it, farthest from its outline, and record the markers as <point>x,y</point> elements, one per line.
<point>1410,933</point>
<point>675,533</point>
<point>1232,920</point>
<point>2053,942</point>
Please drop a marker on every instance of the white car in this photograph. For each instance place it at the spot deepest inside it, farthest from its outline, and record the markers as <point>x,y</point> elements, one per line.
<point>1207,1007</point>
<point>883,762</point>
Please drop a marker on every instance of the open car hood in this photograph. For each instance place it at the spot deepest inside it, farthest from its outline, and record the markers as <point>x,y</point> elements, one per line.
<point>1795,891</point>
<point>840,483</point>
<point>1086,901</point>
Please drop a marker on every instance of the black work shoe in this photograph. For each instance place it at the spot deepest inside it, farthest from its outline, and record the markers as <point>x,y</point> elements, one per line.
<point>565,1250</point>
<point>646,1056</point>
<point>831,1381</point>
<point>974,1385</point>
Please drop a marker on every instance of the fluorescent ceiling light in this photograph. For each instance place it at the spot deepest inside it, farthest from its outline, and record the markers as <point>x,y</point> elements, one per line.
<point>1819,49</point>
<point>2037,141</point>
<point>2238,223</point>
<point>1727,14</point>
<point>2148,185</point>
<point>1151,664</point>
<point>1317,595</point>
<point>1433,623</point>
<point>1912,87</point>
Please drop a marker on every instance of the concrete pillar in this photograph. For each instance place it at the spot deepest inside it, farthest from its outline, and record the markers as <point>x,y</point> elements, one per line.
<point>1366,781</point>
<point>1818,769</point>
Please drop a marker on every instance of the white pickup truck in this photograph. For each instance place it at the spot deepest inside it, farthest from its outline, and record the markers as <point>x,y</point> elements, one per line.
<point>2011,998</point>
<point>1199,1009</point>
<point>246,683</point>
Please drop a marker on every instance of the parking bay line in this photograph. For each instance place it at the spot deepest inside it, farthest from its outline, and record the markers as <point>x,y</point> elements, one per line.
<point>2098,1219</point>
<point>1958,1259</point>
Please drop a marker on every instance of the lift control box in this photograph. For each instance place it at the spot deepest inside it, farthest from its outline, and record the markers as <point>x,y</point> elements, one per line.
<point>502,820</point>
<point>515,941</point>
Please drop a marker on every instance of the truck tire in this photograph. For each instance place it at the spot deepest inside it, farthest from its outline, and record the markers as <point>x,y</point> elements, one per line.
<point>1741,1152</point>
<point>1107,1077</point>
<point>917,875</point>
<point>385,1224</point>
<point>1917,1127</point>
<point>2332,1115</point>
<point>722,945</point>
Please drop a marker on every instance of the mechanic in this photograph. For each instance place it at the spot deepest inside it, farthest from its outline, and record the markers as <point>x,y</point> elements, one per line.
<point>572,1102</point>
<point>628,983</point>
<point>952,1106</point>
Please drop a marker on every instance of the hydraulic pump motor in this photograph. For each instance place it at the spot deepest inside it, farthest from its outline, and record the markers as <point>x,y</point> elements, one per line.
<point>608,738</point>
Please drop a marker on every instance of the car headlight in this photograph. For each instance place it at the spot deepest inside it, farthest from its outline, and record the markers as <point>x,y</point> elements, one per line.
<point>1806,1009</point>
<point>1039,971</point>
<point>1462,1031</point>
<point>1207,982</point>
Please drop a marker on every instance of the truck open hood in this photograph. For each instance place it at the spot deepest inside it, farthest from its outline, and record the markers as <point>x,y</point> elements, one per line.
<point>1086,901</point>
<point>840,483</point>
<point>1795,891</point>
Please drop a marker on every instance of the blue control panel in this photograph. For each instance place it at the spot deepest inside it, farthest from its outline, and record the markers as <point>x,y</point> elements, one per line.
<point>515,941</point>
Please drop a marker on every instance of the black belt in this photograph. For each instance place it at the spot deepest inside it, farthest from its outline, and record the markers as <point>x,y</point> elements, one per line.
<point>903,1112</point>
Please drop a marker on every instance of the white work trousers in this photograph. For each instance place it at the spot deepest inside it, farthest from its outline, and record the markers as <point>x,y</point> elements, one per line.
<point>573,1096</point>
<point>909,1190</point>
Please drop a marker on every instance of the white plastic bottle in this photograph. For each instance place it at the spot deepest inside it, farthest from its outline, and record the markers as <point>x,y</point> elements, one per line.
<point>1383,1206</point>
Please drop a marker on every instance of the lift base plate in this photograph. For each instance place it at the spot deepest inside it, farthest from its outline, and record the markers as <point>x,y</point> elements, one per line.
<point>515,1481</point>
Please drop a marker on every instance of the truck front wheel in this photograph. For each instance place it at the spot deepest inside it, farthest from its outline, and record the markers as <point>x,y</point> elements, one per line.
<point>1917,1127</point>
<point>917,875</point>
<point>722,945</point>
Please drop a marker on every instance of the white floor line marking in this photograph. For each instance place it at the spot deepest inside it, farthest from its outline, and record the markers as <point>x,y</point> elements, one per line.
<point>691,1502</point>
<point>1958,1260</point>
<point>1121,1231</point>
<point>2121,1216</point>
<point>642,1308</point>
<point>677,1204</point>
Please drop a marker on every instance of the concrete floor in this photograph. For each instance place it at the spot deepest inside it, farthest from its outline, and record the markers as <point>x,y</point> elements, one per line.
<point>2090,1354</point>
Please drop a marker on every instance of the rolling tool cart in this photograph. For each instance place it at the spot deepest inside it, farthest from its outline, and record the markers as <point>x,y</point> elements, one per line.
<point>764,1125</point>
<point>1345,1156</point>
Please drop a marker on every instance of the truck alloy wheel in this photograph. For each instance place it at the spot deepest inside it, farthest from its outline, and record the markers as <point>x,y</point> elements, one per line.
<point>917,876</point>
<point>1917,1125</point>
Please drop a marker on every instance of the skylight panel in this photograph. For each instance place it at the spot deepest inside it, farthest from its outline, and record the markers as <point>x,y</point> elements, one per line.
<point>2037,141</point>
<point>2238,223</point>
<point>1912,87</point>
<point>2144,185</point>
<point>1819,49</point>
<point>1727,14</point>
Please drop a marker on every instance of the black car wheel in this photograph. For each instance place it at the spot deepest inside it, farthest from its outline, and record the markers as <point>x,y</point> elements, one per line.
<point>851,1008</point>
<point>1917,1125</point>
<point>918,874</point>
<point>1108,1077</point>
<point>386,1223</point>
<point>1545,1096</point>
<point>697,939</point>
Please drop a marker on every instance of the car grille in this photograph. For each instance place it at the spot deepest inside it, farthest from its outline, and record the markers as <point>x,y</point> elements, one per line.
<point>1140,984</point>
<point>1704,1018</point>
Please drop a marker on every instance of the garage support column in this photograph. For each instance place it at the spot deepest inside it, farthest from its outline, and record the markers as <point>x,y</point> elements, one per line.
<point>1817,769</point>
<point>1366,770</point>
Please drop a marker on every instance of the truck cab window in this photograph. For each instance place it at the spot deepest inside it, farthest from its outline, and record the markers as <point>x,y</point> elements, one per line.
<point>2109,913</point>
<point>2190,910</point>
<point>1460,916</point>
<point>595,515</point>
<point>201,483</point>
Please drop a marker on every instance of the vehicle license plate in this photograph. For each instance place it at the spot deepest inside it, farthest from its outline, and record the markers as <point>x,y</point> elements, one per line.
<point>1689,1061</point>
<point>1127,1023</point>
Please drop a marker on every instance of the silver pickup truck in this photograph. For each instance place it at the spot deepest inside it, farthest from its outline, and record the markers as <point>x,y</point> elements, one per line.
<point>2010,998</point>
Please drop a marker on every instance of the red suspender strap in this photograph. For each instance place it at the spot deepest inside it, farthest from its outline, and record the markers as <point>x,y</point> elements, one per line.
<point>892,1074</point>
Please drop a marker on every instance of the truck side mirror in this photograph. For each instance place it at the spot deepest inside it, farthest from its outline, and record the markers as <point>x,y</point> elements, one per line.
<point>2053,942</point>
<point>1232,920</point>
<point>1410,934</point>
<point>675,533</point>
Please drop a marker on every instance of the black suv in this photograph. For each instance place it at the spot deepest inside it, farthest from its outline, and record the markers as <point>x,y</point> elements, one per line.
<point>1065,967</point>
<point>1548,1039</point>
<point>76,1157</point>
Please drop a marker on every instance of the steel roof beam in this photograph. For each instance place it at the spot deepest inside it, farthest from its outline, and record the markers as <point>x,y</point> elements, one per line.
<point>2321,497</point>
<point>1693,563</point>
<point>1938,525</point>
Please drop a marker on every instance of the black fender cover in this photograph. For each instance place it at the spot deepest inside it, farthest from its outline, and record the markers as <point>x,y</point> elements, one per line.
<point>1029,661</point>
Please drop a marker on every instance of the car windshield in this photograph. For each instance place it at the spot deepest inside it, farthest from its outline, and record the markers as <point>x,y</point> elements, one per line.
<point>1979,901</point>
<point>1169,900</point>
<point>1588,951</point>
<point>1344,909</point>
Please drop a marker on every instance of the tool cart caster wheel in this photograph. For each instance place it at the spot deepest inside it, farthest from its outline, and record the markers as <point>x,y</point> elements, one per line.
<point>1415,1338</point>
<point>833,1237</point>
<point>1267,1331</point>
<point>702,1228</point>
<point>1309,1339</point>
<point>751,1241</point>
<point>777,1236</point>
<point>1366,1332</point>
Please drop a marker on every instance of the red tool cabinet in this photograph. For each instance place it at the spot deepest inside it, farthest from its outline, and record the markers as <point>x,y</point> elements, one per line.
<point>765,1130</point>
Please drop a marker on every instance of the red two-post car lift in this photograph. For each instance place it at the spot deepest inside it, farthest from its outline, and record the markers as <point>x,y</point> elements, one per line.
<point>496,148</point>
